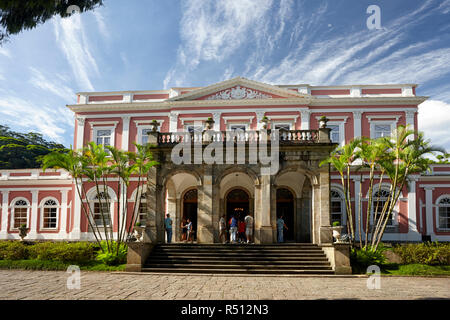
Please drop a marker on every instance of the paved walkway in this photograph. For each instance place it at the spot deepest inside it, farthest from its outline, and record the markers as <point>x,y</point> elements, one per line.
<point>16,284</point>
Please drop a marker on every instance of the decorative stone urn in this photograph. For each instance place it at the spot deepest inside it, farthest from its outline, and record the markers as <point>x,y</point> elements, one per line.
<point>139,232</point>
<point>323,122</point>
<point>265,122</point>
<point>337,230</point>
<point>209,123</point>
<point>155,125</point>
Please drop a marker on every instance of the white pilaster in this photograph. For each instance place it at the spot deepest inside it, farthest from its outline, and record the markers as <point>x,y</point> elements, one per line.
<point>409,116</point>
<point>429,211</point>
<point>34,214</point>
<point>305,115</point>
<point>259,116</point>
<point>357,181</point>
<point>125,132</point>
<point>216,118</point>
<point>355,91</point>
<point>173,121</point>
<point>357,132</point>
<point>75,233</point>
<point>4,226</point>
<point>413,233</point>
<point>63,212</point>
<point>80,133</point>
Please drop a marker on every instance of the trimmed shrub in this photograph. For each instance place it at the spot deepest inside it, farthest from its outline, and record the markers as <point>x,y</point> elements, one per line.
<point>429,253</point>
<point>63,251</point>
<point>13,250</point>
<point>361,259</point>
<point>111,258</point>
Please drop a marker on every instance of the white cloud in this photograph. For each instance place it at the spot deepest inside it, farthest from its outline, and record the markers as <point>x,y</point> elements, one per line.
<point>433,120</point>
<point>71,38</point>
<point>54,86</point>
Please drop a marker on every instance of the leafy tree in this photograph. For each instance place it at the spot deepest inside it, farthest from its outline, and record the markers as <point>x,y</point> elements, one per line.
<point>24,150</point>
<point>19,15</point>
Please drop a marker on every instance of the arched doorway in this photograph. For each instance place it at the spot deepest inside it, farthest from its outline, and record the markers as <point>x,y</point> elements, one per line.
<point>237,203</point>
<point>190,209</point>
<point>285,208</point>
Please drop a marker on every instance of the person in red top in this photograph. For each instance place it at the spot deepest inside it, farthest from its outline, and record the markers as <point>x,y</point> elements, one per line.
<point>241,230</point>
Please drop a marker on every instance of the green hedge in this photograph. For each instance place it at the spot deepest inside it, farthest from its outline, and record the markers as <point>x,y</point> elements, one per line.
<point>51,251</point>
<point>430,253</point>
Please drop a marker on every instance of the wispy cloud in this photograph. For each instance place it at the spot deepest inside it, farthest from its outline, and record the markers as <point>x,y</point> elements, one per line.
<point>73,42</point>
<point>54,86</point>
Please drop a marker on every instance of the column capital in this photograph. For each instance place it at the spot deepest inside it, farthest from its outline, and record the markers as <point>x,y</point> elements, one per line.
<point>305,112</point>
<point>428,188</point>
<point>81,120</point>
<point>357,115</point>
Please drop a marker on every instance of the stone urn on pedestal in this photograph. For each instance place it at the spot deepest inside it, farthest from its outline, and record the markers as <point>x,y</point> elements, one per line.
<point>209,123</point>
<point>265,122</point>
<point>337,230</point>
<point>155,125</point>
<point>323,122</point>
<point>139,232</point>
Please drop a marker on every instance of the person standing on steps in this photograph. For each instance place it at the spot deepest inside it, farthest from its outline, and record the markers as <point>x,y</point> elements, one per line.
<point>189,229</point>
<point>249,227</point>
<point>183,230</point>
<point>168,226</point>
<point>233,229</point>
<point>280,228</point>
<point>222,229</point>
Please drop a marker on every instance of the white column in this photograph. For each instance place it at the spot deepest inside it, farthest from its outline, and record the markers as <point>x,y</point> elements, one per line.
<point>63,213</point>
<point>305,119</point>
<point>429,211</point>
<point>4,227</point>
<point>216,118</point>
<point>357,181</point>
<point>357,132</point>
<point>125,132</point>
<point>34,214</point>
<point>409,116</point>
<point>413,233</point>
<point>75,233</point>
<point>173,121</point>
<point>80,133</point>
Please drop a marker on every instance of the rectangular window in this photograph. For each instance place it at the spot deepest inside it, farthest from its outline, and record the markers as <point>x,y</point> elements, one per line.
<point>142,212</point>
<point>50,218</point>
<point>192,128</point>
<point>444,218</point>
<point>382,130</point>
<point>20,217</point>
<point>235,127</point>
<point>103,137</point>
<point>336,211</point>
<point>282,126</point>
<point>145,136</point>
<point>335,134</point>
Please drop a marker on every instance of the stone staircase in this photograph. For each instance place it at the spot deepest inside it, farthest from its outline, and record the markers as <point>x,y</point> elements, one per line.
<point>298,258</point>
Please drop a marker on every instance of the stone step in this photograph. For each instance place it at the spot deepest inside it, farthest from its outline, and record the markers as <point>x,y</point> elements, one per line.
<point>239,258</point>
<point>235,271</point>
<point>153,261</point>
<point>240,254</point>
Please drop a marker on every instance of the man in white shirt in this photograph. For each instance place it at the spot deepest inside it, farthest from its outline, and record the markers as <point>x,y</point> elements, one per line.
<point>249,227</point>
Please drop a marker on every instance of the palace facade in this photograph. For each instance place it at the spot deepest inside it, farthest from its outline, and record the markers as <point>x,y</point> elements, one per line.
<point>309,196</point>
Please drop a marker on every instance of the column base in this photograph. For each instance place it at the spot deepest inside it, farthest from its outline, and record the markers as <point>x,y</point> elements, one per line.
<point>264,235</point>
<point>205,235</point>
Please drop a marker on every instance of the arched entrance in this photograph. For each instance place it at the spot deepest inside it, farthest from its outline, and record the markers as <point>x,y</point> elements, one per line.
<point>237,203</point>
<point>190,209</point>
<point>285,208</point>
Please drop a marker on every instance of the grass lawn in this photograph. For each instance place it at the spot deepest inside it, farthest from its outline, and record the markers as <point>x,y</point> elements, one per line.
<point>415,270</point>
<point>57,265</point>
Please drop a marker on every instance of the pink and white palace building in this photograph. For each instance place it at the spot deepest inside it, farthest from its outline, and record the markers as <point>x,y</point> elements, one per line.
<point>310,197</point>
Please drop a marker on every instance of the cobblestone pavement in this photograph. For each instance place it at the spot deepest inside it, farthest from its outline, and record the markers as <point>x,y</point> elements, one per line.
<point>15,284</point>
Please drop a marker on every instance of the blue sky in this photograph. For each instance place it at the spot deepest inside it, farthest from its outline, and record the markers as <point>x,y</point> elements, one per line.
<point>150,45</point>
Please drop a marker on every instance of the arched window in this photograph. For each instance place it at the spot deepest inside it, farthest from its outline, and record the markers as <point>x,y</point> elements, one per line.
<point>337,208</point>
<point>444,213</point>
<point>99,205</point>
<point>20,213</point>
<point>50,214</point>
<point>379,200</point>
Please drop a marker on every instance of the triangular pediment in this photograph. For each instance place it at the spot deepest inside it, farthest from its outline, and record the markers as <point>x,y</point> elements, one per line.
<point>238,89</point>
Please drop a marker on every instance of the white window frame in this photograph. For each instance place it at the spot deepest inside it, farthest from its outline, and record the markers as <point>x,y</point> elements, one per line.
<point>144,126</point>
<point>275,123</point>
<point>104,125</point>
<point>143,200</point>
<point>343,206</point>
<point>373,122</point>
<point>13,209</point>
<point>341,126</point>
<point>231,124</point>
<point>58,210</point>
<point>92,193</point>
<point>437,205</point>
